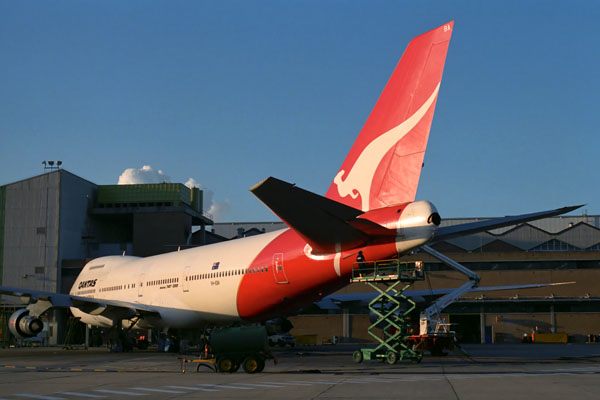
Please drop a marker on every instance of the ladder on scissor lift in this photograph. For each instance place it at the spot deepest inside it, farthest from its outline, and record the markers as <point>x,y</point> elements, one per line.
<point>392,329</point>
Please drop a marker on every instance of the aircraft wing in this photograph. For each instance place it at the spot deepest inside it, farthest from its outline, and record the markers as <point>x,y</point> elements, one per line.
<point>40,301</point>
<point>320,221</point>
<point>448,232</point>
<point>336,301</point>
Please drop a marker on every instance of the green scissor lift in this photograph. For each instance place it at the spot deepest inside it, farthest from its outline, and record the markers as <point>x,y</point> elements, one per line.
<point>390,278</point>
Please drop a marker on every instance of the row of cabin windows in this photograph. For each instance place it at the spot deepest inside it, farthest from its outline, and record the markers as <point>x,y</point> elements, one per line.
<point>221,274</point>
<point>113,288</point>
<point>162,281</point>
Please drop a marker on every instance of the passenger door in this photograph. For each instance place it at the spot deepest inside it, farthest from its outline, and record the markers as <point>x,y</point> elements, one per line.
<point>278,269</point>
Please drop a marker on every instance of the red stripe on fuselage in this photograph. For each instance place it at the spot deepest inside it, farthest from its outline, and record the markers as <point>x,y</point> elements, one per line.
<point>263,295</point>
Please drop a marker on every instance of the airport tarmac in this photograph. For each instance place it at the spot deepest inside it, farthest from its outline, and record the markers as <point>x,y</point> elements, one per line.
<point>323,372</point>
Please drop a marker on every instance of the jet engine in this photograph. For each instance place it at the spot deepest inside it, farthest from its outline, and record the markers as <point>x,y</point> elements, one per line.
<point>23,325</point>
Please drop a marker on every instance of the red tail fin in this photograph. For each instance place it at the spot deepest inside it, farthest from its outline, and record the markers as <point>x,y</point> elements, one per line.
<point>384,165</point>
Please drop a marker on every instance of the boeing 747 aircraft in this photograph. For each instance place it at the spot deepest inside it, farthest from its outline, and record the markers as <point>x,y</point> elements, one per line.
<point>369,207</point>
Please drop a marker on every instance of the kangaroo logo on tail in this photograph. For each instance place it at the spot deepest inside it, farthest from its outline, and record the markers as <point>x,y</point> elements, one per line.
<point>359,179</point>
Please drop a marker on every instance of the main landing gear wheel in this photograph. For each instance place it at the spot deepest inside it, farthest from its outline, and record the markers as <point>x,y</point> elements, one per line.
<point>357,356</point>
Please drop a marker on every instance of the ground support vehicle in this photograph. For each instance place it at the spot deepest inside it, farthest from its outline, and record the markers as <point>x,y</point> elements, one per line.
<point>228,349</point>
<point>392,308</point>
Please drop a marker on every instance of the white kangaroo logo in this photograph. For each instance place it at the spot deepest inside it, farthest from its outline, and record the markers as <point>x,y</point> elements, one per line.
<point>360,177</point>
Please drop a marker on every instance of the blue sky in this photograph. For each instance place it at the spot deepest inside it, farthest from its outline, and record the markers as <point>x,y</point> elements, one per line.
<point>230,92</point>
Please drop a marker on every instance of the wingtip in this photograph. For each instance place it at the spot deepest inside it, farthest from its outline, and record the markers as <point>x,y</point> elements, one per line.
<point>259,184</point>
<point>572,208</point>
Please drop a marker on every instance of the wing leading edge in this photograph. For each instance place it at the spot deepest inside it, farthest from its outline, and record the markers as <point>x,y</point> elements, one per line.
<point>41,301</point>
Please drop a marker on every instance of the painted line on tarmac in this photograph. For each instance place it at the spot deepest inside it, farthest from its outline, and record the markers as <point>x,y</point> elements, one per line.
<point>225,386</point>
<point>263,385</point>
<point>37,396</point>
<point>192,388</point>
<point>74,369</point>
<point>315,382</point>
<point>119,392</point>
<point>95,396</point>
<point>156,390</point>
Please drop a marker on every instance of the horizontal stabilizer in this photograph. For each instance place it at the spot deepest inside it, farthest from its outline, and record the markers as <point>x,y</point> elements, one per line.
<point>338,301</point>
<point>325,224</point>
<point>448,232</point>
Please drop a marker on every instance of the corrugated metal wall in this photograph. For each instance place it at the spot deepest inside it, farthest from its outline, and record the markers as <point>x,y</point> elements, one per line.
<point>31,222</point>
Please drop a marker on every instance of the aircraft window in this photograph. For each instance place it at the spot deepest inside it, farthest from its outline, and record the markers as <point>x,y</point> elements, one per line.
<point>266,269</point>
<point>262,269</point>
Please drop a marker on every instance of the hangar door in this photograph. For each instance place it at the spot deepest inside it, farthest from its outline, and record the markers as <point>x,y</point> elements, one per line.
<point>467,327</point>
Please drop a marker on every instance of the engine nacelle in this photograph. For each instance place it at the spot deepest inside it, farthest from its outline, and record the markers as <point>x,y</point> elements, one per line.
<point>23,325</point>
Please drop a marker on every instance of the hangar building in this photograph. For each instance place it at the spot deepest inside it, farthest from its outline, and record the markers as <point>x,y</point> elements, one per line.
<point>52,224</point>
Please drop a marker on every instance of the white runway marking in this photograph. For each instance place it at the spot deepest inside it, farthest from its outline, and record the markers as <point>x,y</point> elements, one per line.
<point>119,392</point>
<point>156,390</point>
<point>263,385</point>
<point>96,396</point>
<point>290,383</point>
<point>192,388</point>
<point>225,386</point>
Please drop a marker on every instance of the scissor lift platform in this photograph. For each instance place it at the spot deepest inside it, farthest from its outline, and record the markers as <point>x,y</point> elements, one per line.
<point>392,328</point>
